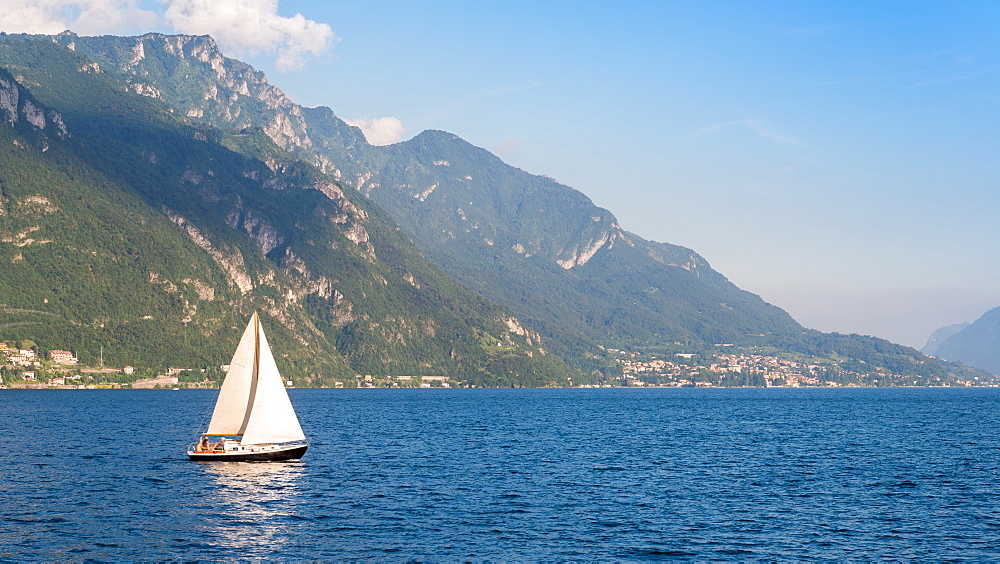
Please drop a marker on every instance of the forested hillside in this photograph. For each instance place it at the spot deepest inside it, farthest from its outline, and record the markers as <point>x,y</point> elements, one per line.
<point>541,248</point>
<point>139,233</point>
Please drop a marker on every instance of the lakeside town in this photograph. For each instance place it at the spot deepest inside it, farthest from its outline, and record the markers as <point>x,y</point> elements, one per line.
<point>25,365</point>
<point>756,370</point>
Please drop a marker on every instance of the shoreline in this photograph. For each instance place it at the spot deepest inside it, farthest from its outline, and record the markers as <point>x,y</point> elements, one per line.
<point>43,387</point>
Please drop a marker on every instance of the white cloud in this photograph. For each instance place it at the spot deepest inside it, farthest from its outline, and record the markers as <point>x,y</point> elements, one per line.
<point>250,27</point>
<point>508,145</point>
<point>241,27</point>
<point>86,17</point>
<point>759,127</point>
<point>379,131</point>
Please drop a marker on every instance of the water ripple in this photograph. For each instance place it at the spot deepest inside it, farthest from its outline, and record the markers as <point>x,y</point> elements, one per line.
<point>635,475</point>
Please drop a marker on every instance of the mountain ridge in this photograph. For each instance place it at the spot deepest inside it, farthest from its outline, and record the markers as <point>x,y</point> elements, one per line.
<point>250,232</point>
<point>975,344</point>
<point>940,335</point>
<point>509,221</point>
<point>562,265</point>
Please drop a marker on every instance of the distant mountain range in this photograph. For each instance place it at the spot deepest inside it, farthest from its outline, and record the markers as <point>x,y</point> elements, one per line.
<point>976,344</point>
<point>940,335</point>
<point>184,190</point>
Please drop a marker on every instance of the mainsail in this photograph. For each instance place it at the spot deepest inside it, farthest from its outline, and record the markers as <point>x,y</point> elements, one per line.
<point>253,401</point>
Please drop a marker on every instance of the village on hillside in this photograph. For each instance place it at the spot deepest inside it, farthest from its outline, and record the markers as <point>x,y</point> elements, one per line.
<point>25,365</point>
<point>753,370</point>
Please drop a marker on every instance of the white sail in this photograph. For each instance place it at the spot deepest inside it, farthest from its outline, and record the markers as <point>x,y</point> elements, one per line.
<point>272,418</point>
<point>253,401</point>
<point>231,408</point>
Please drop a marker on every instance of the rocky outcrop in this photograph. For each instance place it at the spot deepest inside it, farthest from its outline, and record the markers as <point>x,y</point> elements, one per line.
<point>231,260</point>
<point>583,252</point>
<point>17,105</point>
<point>235,94</point>
<point>9,100</point>
<point>310,283</point>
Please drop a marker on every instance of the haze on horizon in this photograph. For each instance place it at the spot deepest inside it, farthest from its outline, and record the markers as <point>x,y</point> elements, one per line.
<point>838,160</point>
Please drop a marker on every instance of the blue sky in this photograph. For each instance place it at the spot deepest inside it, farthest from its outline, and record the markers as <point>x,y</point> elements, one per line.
<point>838,159</point>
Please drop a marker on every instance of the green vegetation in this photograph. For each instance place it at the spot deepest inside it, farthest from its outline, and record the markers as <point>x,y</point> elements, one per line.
<point>153,240</point>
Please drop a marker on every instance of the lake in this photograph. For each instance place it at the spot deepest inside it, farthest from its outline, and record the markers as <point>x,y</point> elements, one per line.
<point>512,474</point>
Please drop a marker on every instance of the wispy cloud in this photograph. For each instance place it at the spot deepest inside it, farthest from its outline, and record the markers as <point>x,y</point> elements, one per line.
<point>759,127</point>
<point>473,98</point>
<point>926,55</point>
<point>814,31</point>
<point>508,145</point>
<point>942,80</point>
<point>811,32</point>
<point>508,89</point>
<point>242,27</point>
<point>379,131</point>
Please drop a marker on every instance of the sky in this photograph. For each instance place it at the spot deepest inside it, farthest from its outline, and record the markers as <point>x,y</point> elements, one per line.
<point>839,159</point>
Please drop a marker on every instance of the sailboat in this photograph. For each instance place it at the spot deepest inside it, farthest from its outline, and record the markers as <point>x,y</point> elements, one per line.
<point>253,419</point>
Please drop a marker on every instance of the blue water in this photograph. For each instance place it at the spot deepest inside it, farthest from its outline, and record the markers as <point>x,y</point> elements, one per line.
<point>512,475</point>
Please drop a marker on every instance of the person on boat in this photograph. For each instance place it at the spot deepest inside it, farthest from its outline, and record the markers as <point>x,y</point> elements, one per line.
<point>203,443</point>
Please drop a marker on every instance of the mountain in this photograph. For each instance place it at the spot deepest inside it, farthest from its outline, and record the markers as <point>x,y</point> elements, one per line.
<point>940,335</point>
<point>128,229</point>
<point>543,249</point>
<point>291,211</point>
<point>976,344</point>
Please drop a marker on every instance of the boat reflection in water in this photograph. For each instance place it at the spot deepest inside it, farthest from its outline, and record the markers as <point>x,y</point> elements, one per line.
<point>258,504</point>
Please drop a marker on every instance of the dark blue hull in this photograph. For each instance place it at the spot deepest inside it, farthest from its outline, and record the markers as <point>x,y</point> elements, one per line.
<point>293,453</point>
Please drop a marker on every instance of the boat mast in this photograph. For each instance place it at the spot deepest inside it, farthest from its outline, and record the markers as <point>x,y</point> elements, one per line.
<point>255,373</point>
<point>256,353</point>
